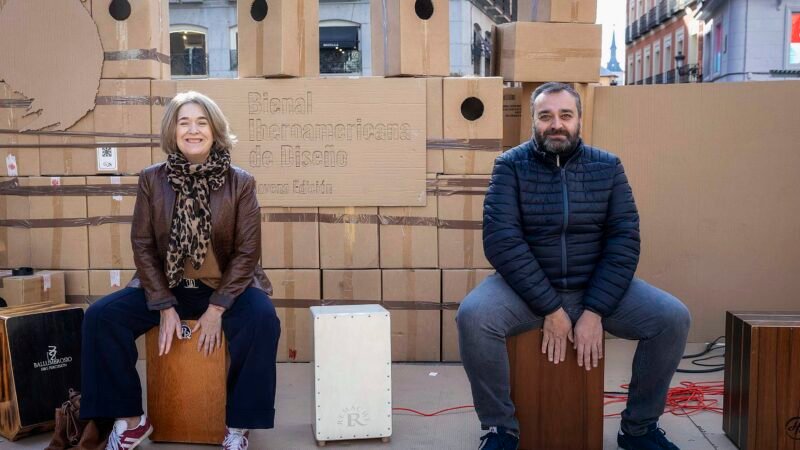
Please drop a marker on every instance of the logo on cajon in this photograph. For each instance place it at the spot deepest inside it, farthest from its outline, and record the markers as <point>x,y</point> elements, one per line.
<point>52,361</point>
<point>186,332</point>
<point>353,416</point>
<point>793,428</point>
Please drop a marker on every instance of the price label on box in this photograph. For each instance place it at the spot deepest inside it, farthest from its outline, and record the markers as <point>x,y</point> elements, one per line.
<point>106,159</point>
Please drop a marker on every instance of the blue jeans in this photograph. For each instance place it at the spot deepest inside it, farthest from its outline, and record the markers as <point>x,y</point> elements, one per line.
<point>110,384</point>
<point>493,311</point>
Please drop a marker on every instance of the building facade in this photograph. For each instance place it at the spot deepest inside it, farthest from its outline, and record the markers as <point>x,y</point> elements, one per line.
<point>750,39</point>
<point>664,42</point>
<point>204,37</point>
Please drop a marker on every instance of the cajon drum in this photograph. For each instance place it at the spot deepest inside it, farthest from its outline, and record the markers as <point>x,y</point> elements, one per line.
<point>186,390</point>
<point>40,360</point>
<point>559,407</point>
<point>352,363</point>
<point>761,403</point>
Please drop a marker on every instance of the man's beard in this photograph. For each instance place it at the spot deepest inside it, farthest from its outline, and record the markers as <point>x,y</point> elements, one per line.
<point>559,147</point>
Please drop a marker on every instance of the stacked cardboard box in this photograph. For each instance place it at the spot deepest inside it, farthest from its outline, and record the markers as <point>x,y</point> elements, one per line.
<point>278,38</point>
<point>44,286</point>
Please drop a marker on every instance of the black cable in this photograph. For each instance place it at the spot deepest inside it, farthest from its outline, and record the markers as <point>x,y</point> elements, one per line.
<point>710,347</point>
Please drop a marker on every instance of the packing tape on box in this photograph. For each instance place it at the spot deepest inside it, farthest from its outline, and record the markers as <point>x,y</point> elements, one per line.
<point>291,322</point>
<point>385,38</point>
<point>12,187</point>
<point>348,289</point>
<point>468,235</point>
<point>350,236</point>
<point>81,134</point>
<point>259,46</point>
<point>65,222</point>
<point>137,54</point>
<point>58,232</point>
<point>115,234</point>
<point>301,27</point>
<point>575,10</point>
<point>288,243</point>
<point>412,319</point>
<point>554,55</point>
<point>481,145</point>
<point>16,103</point>
<point>400,305</point>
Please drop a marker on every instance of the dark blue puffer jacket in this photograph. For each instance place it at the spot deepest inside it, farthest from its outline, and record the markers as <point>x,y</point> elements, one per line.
<point>566,225</point>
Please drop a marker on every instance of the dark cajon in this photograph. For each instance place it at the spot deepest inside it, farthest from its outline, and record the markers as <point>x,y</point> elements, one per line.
<point>186,391</point>
<point>761,408</point>
<point>559,407</point>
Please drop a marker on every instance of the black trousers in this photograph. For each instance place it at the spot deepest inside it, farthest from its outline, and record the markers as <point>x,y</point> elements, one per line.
<point>110,384</point>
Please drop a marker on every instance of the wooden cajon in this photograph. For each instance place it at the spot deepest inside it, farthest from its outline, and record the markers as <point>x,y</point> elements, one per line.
<point>186,390</point>
<point>761,403</point>
<point>558,406</point>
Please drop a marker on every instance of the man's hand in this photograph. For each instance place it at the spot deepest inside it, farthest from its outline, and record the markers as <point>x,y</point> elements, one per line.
<point>170,324</point>
<point>589,339</point>
<point>557,329</point>
<point>210,326</point>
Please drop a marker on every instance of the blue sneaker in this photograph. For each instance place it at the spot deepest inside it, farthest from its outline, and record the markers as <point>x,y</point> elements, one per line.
<point>499,438</point>
<point>654,439</point>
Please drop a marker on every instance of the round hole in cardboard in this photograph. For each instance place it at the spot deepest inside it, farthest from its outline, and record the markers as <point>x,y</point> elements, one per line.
<point>472,108</point>
<point>120,9</point>
<point>259,10</point>
<point>424,9</point>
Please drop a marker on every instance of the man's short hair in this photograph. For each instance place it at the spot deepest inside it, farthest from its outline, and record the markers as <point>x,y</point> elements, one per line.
<point>553,87</point>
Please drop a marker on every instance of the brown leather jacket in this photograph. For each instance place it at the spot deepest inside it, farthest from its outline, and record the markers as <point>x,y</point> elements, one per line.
<point>235,237</point>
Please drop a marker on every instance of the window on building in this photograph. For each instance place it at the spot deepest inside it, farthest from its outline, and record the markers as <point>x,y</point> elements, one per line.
<point>679,42</point>
<point>647,65</point>
<point>477,49</point>
<point>668,53</point>
<point>187,46</point>
<point>339,48</point>
<point>794,40</point>
<point>629,75</point>
<point>719,47</point>
<point>656,61</point>
<point>234,37</point>
<point>638,66</point>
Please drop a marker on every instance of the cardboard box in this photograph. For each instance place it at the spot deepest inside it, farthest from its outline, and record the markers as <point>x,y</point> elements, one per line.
<point>456,284</point>
<point>541,52</point>
<point>348,238</point>
<point>24,159</point>
<point>279,40</point>
<point>110,238</point>
<point>410,38</point>
<point>56,241</point>
<point>15,232</point>
<point>514,106</point>
<point>409,236</point>
<point>460,212</point>
<point>290,238</point>
<point>123,109</point>
<point>105,282</point>
<point>473,124</point>
<point>363,286</point>
<point>293,291</point>
<point>416,332</point>
<point>161,93</point>
<point>136,44</point>
<point>76,287</point>
<point>435,132</point>
<point>575,11</point>
<point>585,91</point>
<point>306,149</point>
<point>718,217</point>
<point>43,286</point>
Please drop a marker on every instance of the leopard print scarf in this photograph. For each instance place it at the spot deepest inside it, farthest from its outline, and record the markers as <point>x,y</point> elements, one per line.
<point>191,221</point>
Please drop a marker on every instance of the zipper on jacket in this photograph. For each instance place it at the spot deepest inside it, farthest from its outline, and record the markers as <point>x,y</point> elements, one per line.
<point>565,197</point>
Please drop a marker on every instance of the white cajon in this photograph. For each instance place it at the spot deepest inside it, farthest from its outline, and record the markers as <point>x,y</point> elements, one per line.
<point>352,383</point>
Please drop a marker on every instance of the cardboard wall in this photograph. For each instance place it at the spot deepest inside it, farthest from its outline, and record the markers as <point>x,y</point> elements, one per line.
<point>434,125</point>
<point>110,243</point>
<point>456,284</point>
<point>714,172</point>
<point>408,235</point>
<point>514,106</point>
<point>15,238</point>
<point>576,11</point>
<point>460,210</point>
<point>359,285</point>
<point>291,288</point>
<point>415,332</point>
<point>62,244</point>
<point>290,238</point>
<point>348,238</point>
<point>24,159</point>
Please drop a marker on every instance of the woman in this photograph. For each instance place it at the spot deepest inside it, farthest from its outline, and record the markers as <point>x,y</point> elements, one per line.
<point>196,244</point>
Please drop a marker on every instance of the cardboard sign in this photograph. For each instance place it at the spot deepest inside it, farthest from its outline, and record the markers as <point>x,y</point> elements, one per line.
<point>327,142</point>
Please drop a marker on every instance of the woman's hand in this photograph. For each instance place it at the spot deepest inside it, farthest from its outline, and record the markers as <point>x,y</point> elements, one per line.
<point>170,323</point>
<point>210,326</point>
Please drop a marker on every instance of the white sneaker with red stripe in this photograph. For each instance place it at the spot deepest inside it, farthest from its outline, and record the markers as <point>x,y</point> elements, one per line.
<point>122,438</point>
<point>235,439</point>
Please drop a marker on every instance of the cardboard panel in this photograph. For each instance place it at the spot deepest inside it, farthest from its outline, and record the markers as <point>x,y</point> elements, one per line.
<point>348,238</point>
<point>434,128</point>
<point>456,284</point>
<point>408,235</point>
<point>290,238</point>
<point>410,38</point>
<point>415,333</point>
<point>76,287</point>
<point>64,245</point>
<point>110,243</point>
<point>279,40</point>
<point>472,124</point>
<point>15,238</point>
<point>514,106</point>
<point>460,200</point>
<point>297,285</point>
<point>359,285</point>
<point>715,186</point>
<point>306,148</point>
<point>134,44</point>
<point>541,52</point>
<point>576,11</point>
<point>21,158</point>
<point>123,108</point>
<point>58,101</point>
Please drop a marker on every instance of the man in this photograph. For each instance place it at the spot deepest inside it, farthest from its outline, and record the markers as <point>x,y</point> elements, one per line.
<point>561,228</point>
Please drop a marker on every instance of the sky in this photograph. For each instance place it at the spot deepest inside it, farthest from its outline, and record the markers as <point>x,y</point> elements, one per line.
<point>611,13</point>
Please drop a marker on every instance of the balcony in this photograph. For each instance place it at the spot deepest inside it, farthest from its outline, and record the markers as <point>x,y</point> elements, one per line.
<point>628,39</point>
<point>648,80</point>
<point>663,13</point>
<point>670,77</point>
<point>659,78</point>
<point>635,30</point>
<point>672,7</point>
<point>651,18</point>
<point>640,82</point>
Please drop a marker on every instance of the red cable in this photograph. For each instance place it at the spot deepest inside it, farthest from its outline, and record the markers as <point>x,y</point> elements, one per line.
<point>684,400</point>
